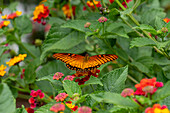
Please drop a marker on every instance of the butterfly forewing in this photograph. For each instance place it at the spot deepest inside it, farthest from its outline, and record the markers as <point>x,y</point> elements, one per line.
<point>78,62</point>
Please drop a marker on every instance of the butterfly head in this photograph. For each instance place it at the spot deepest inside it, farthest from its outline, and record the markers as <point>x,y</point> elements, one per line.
<point>86,58</point>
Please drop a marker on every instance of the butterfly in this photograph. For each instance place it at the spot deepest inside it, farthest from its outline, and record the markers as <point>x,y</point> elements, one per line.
<point>84,63</point>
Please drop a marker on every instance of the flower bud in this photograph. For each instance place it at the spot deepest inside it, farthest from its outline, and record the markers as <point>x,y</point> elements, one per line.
<point>38,42</point>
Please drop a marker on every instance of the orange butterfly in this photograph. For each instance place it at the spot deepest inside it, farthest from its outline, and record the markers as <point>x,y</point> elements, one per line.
<point>84,63</point>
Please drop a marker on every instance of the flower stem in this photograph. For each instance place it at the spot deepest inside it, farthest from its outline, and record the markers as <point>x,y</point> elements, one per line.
<point>132,79</point>
<point>103,3</point>
<point>70,8</point>
<point>117,1</point>
<point>84,3</point>
<point>95,6</point>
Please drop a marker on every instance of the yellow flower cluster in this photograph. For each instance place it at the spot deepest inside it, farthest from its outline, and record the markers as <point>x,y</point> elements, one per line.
<point>16,59</point>
<point>2,68</point>
<point>39,9</point>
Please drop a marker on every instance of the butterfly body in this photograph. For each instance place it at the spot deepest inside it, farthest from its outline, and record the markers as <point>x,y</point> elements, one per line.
<point>84,63</point>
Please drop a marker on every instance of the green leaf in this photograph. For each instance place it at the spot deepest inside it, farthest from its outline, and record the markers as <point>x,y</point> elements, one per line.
<point>71,87</point>
<point>93,80</point>
<point>162,44</point>
<point>114,81</point>
<point>59,39</point>
<point>79,25</point>
<point>162,93</point>
<point>141,41</point>
<point>168,26</point>
<point>3,49</point>
<point>114,14</point>
<point>159,23</point>
<point>30,74</point>
<point>7,101</point>
<point>140,66</point>
<point>23,24</point>
<point>45,108</point>
<point>166,101</point>
<point>53,20</point>
<point>1,32</point>
<point>146,28</point>
<point>13,6</point>
<point>115,99</point>
<point>21,110</point>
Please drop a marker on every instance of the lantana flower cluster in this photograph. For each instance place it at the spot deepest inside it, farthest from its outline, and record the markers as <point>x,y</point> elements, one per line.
<point>91,5</point>
<point>60,106</point>
<point>12,15</point>
<point>67,11</point>
<point>40,13</point>
<point>166,20</point>
<point>34,99</point>
<point>4,23</point>
<point>16,59</point>
<point>146,88</point>
<point>2,70</point>
<point>157,108</point>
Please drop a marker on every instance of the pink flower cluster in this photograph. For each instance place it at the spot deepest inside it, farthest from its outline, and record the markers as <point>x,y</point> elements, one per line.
<point>33,100</point>
<point>69,77</point>
<point>84,109</point>
<point>57,107</point>
<point>61,97</point>
<point>102,19</point>
<point>58,75</point>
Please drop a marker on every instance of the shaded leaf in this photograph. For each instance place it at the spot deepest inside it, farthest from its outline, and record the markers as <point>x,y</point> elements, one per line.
<point>93,80</point>
<point>7,101</point>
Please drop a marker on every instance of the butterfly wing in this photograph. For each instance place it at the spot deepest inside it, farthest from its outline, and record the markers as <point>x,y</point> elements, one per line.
<point>73,61</point>
<point>97,60</point>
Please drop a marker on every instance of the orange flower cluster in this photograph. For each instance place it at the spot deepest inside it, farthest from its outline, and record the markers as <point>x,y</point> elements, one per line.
<point>71,106</point>
<point>4,23</point>
<point>12,15</point>
<point>147,86</point>
<point>67,11</point>
<point>157,109</point>
<point>2,70</point>
<point>41,12</point>
<point>166,20</point>
<point>16,59</point>
<point>92,6</point>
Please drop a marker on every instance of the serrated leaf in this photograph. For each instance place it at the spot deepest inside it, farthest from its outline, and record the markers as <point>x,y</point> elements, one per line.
<point>23,24</point>
<point>140,66</point>
<point>45,108</point>
<point>162,44</point>
<point>60,39</point>
<point>13,6</point>
<point>79,25</point>
<point>115,99</point>
<point>114,81</point>
<point>162,93</point>
<point>30,74</point>
<point>93,80</point>
<point>7,101</point>
<point>141,41</point>
<point>71,87</point>
<point>146,28</point>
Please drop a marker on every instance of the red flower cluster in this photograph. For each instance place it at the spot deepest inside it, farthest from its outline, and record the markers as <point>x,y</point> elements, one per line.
<point>22,73</point>
<point>67,11</point>
<point>87,75</point>
<point>91,5</point>
<point>12,15</point>
<point>157,109</point>
<point>166,20</point>
<point>34,95</point>
<point>4,24</point>
<point>123,3</point>
<point>40,13</point>
<point>61,97</point>
<point>71,106</point>
<point>147,86</point>
<point>30,110</point>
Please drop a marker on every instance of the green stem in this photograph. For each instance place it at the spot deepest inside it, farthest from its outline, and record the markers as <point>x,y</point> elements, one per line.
<point>92,88</point>
<point>103,3</point>
<point>48,97</point>
<point>18,67</point>
<point>70,8</point>
<point>20,89</point>
<point>24,96</point>
<point>103,28</point>
<point>117,1</point>
<point>132,79</point>
<point>84,3</point>
<point>95,6</point>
